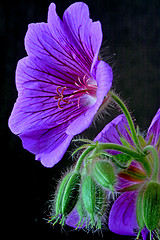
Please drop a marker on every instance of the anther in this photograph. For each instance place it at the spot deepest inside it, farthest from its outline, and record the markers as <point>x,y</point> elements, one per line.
<point>61,96</point>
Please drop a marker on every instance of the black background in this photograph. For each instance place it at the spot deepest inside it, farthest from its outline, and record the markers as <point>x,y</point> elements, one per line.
<point>131,29</point>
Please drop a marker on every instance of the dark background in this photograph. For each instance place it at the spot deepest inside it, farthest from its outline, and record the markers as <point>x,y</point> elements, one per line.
<point>131,29</point>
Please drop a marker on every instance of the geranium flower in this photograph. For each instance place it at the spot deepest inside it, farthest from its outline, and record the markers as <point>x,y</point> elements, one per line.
<point>61,83</point>
<point>122,216</point>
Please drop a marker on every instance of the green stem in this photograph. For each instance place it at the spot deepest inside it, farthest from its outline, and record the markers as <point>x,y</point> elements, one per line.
<point>120,148</point>
<point>106,146</point>
<point>83,155</point>
<point>129,119</point>
<point>154,153</point>
<point>146,164</point>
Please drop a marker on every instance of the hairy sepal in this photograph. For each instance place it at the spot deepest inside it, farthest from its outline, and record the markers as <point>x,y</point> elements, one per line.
<point>71,193</point>
<point>104,174</point>
<point>151,205</point>
<point>58,205</point>
<point>68,194</point>
<point>94,201</point>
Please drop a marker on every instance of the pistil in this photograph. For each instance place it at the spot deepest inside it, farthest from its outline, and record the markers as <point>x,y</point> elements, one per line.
<point>84,87</point>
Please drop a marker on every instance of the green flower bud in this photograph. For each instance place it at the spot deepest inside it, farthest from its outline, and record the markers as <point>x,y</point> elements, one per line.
<point>89,194</point>
<point>151,205</point>
<point>81,209</point>
<point>82,213</point>
<point>93,200</point>
<point>68,194</point>
<point>139,209</point>
<point>148,206</point>
<point>61,190</point>
<point>104,174</point>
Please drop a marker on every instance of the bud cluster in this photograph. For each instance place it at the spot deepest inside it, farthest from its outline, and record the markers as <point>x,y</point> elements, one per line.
<point>87,192</point>
<point>86,189</point>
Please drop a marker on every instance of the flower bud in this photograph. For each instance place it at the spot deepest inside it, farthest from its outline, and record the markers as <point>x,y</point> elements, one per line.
<point>58,205</point>
<point>68,194</point>
<point>151,205</point>
<point>139,210</point>
<point>89,194</point>
<point>93,200</point>
<point>104,174</point>
<point>148,206</point>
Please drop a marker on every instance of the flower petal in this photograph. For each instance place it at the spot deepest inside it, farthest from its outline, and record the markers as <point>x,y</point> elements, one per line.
<point>77,38</point>
<point>104,81</point>
<point>154,128</point>
<point>36,117</point>
<point>112,132</point>
<point>85,34</point>
<point>146,234</point>
<point>54,156</point>
<point>122,218</point>
<point>73,219</point>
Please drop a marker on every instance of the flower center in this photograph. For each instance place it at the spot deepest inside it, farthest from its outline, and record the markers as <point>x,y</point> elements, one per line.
<point>85,86</point>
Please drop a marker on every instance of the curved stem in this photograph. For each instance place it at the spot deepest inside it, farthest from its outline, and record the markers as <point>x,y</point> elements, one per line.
<point>83,155</point>
<point>120,148</point>
<point>154,153</point>
<point>129,119</point>
<point>106,146</point>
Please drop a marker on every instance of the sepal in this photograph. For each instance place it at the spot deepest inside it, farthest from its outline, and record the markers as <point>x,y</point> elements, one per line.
<point>151,205</point>
<point>67,196</point>
<point>104,174</point>
<point>94,201</point>
<point>148,206</point>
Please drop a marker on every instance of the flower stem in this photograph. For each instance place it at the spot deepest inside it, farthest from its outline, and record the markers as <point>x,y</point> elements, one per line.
<point>154,153</point>
<point>129,119</point>
<point>106,146</point>
<point>83,155</point>
<point>120,148</point>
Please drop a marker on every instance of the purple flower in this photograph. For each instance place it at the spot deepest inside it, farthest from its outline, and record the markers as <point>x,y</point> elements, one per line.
<point>61,83</point>
<point>122,217</point>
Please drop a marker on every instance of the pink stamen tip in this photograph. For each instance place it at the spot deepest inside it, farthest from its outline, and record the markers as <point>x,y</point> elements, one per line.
<point>83,88</point>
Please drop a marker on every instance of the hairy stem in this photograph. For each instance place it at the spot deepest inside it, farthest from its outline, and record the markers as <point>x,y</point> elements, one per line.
<point>120,148</point>
<point>83,155</point>
<point>154,153</point>
<point>129,119</point>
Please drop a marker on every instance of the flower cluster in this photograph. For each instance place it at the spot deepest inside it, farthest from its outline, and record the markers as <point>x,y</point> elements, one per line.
<point>62,84</point>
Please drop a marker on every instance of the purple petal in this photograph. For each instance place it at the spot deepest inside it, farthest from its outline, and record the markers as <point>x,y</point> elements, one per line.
<point>154,128</point>
<point>122,218</point>
<point>77,38</point>
<point>73,219</point>
<point>54,156</point>
<point>86,35</point>
<point>104,81</point>
<point>109,134</point>
<point>146,234</point>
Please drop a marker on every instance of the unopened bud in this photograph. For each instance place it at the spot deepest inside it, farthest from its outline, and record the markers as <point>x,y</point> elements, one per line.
<point>68,194</point>
<point>93,200</point>
<point>104,174</point>
<point>148,206</point>
<point>151,205</point>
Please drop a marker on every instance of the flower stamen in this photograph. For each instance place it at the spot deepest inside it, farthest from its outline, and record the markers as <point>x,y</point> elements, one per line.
<point>60,96</point>
<point>84,87</point>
